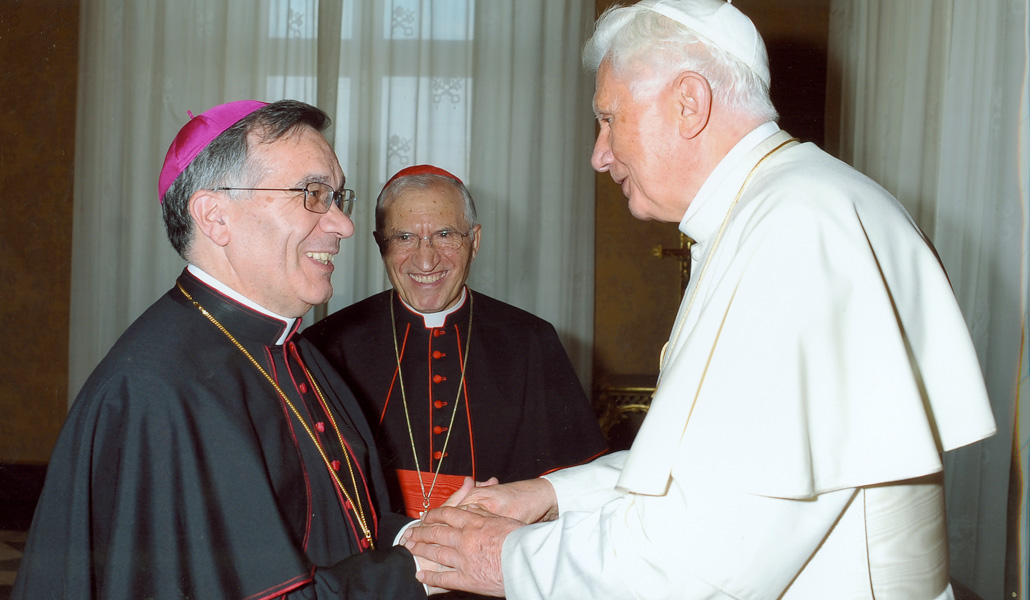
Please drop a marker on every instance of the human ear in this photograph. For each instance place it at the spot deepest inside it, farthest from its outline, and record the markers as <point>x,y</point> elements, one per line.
<point>693,97</point>
<point>475,240</point>
<point>207,208</point>
<point>381,242</point>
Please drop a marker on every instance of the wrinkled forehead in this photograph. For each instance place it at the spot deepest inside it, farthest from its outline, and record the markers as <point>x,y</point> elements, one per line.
<point>610,90</point>
<point>438,204</point>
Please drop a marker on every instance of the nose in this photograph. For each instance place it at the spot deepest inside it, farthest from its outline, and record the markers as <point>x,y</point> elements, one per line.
<point>334,221</point>
<point>601,159</point>
<point>425,256</point>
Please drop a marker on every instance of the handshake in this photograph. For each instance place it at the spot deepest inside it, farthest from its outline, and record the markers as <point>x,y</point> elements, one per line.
<point>458,546</point>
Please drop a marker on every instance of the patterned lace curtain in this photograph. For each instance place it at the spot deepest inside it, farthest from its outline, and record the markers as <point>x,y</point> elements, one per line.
<point>932,98</point>
<point>492,91</point>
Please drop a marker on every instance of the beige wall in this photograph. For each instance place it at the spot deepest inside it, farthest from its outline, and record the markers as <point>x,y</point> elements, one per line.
<point>38,65</point>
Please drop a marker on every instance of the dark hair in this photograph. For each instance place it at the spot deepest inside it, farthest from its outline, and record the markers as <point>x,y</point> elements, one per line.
<point>224,162</point>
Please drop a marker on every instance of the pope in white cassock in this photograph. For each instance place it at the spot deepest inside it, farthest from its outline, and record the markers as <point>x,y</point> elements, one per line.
<point>817,369</point>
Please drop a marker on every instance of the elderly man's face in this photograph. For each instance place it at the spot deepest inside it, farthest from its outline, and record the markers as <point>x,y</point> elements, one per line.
<point>280,252</point>
<point>635,145</point>
<point>429,278</point>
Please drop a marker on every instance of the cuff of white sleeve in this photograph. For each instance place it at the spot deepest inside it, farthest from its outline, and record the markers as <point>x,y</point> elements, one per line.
<point>397,542</point>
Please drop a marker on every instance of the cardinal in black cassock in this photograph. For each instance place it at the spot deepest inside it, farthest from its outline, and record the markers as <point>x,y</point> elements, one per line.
<point>453,382</point>
<point>519,413</point>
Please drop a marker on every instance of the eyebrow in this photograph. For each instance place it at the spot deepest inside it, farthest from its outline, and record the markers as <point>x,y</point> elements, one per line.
<point>313,178</point>
<point>444,228</point>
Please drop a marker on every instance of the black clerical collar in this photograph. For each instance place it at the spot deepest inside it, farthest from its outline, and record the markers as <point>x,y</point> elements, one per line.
<point>241,317</point>
<point>210,280</point>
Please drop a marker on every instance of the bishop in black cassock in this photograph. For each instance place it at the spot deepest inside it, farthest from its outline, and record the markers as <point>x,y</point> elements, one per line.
<point>214,453</point>
<point>181,473</point>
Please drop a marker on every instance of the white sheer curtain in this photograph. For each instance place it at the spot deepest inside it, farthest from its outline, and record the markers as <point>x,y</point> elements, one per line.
<point>492,91</point>
<point>932,103</point>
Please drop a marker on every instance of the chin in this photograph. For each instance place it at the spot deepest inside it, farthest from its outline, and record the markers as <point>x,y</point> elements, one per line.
<point>639,215</point>
<point>429,305</point>
<point>427,308</point>
<point>310,302</point>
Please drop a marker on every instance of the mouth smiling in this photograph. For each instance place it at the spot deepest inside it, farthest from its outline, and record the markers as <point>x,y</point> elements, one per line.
<point>325,258</point>
<point>430,278</point>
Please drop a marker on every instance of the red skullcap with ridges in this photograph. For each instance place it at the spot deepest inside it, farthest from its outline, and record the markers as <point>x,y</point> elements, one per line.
<point>196,134</point>
<point>421,170</point>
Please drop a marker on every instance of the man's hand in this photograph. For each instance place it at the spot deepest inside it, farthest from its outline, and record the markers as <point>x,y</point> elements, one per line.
<point>467,486</point>
<point>469,540</point>
<point>424,564</point>
<point>528,501</point>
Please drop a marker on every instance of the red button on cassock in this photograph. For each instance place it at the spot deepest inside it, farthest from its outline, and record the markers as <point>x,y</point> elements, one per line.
<point>438,354</point>
<point>320,426</point>
<point>364,543</point>
<point>439,404</point>
<point>439,332</point>
<point>438,455</point>
<point>336,465</point>
<point>438,378</point>
<point>438,430</point>
<point>303,387</point>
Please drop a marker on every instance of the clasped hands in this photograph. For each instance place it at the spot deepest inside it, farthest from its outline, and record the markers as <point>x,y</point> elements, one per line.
<point>458,546</point>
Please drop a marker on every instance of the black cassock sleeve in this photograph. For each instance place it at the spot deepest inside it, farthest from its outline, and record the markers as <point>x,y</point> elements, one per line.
<point>361,576</point>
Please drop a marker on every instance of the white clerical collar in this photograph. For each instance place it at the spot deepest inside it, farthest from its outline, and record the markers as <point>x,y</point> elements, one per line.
<point>736,154</point>
<point>238,297</point>
<point>437,319</point>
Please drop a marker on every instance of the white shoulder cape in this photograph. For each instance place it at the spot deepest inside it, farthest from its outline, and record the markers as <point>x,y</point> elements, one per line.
<point>824,348</point>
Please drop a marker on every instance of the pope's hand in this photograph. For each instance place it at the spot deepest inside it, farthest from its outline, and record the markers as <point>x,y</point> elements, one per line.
<point>467,540</point>
<point>424,564</point>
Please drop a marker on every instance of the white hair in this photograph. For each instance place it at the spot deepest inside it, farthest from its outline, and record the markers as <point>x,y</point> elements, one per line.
<point>647,49</point>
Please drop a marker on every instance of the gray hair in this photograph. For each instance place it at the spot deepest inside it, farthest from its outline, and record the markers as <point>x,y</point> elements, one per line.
<point>224,162</point>
<point>422,181</point>
<point>632,37</point>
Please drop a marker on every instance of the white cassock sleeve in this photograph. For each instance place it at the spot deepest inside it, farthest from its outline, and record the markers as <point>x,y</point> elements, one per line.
<point>691,543</point>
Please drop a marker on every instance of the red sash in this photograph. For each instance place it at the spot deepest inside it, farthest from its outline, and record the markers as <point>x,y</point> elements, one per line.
<point>412,491</point>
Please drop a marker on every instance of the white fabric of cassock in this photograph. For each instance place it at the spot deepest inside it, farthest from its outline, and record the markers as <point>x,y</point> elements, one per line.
<point>824,353</point>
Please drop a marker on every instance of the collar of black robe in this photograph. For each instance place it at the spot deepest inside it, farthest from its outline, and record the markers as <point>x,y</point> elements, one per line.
<point>246,324</point>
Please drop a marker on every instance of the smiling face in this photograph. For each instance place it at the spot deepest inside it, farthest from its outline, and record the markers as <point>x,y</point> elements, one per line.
<point>428,279</point>
<point>280,254</point>
<point>637,144</point>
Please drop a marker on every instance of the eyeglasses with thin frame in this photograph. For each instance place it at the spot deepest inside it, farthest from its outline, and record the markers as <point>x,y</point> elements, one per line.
<point>318,197</point>
<point>445,240</point>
